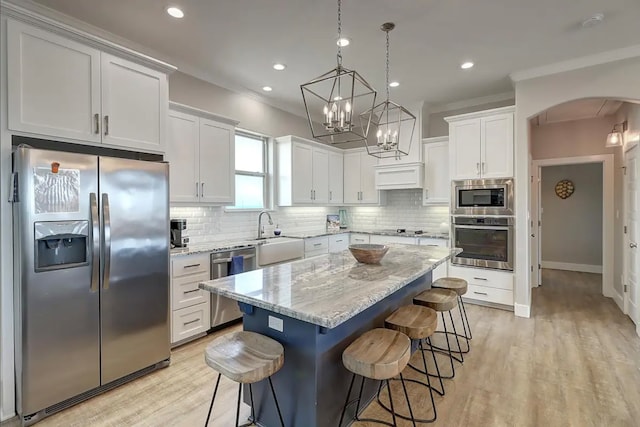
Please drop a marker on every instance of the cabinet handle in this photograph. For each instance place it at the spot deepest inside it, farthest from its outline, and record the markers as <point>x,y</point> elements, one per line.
<point>317,244</point>
<point>480,293</point>
<point>314,194</point>
<point>338,241</point>
<point>477,168</point>
<point>482,167</point>
<point>191,291</point>
<point>96,120</point>
<point>106,125</point>
<point>330,195</point>
<point>197,187</point>
<point>202,189</point>
<point>480,278</point>
<point>191,266</point>
<point>190,322</point>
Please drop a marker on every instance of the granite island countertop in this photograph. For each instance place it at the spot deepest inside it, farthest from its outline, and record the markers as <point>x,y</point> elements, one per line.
<point>379,232</point>
<point>330,289</point>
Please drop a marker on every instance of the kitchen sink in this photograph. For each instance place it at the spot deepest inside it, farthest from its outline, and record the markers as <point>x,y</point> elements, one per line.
<point>279,249</point>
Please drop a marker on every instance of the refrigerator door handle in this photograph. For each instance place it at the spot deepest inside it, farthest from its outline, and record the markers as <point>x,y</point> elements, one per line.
<point>95,242</point>
<point>106,220</point>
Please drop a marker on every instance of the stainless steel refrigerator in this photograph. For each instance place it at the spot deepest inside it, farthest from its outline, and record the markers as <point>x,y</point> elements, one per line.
<point>92,275</point>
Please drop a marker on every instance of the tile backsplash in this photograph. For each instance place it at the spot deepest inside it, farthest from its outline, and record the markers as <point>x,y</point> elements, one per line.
<point>403,210</point>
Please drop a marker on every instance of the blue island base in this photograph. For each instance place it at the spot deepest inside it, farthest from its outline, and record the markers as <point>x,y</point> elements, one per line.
<point>313,383</point>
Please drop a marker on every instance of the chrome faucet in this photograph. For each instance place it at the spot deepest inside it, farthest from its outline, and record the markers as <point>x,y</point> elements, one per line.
<point>260,226</point>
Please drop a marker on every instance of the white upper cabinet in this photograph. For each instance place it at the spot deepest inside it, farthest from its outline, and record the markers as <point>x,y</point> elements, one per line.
<point>201,156</point>
<point>134,105</point>
<point>54,84</point>
<point>437,183</point>
<point>183,157</point>
<point>481,144</point>
<point>336,178</point>
<point>359,178</point>
<point>61,88</point>
<point>303,171</point>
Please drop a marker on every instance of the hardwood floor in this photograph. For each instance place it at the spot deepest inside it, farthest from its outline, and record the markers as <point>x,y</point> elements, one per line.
<point>575,363</point>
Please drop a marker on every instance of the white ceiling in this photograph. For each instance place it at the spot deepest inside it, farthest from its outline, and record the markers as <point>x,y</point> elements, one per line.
<point>578,110</point>
<point>235,42</point>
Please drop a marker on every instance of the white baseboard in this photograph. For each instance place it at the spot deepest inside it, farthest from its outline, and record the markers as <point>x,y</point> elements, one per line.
<point>522,310</point>
<point>584,268</point>
<point>619,299</point>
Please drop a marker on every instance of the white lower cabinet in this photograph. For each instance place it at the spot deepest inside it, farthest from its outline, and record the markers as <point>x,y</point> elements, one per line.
<point>486,285</point>
<point>315,246</point>
<point>358,239</point>
<point>190,305</point>
<point>189,322</point>
<point>384,240</point>
<point>442,269</point>
<point>338,242</point>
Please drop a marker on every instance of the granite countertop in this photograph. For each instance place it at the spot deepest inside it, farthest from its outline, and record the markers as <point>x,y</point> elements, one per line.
<point>246,243</point>
<point>407,233</point>
<point>329,289</point>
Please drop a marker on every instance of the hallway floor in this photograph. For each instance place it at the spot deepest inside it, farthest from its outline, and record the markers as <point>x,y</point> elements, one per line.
<point>575,363</point>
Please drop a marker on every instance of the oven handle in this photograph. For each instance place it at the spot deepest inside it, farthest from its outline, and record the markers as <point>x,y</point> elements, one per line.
<point>484,227</point>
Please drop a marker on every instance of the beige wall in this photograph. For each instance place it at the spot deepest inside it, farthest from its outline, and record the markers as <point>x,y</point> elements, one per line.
<point>613,80</point>
<point>435,125</point>
<point>252,114</point>
<point>572,227</point>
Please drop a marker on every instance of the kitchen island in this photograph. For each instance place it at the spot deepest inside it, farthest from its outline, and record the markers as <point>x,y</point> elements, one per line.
<point>315,308</point>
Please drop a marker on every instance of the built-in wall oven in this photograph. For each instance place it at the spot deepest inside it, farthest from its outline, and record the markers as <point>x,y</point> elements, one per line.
<point>482,197</point>
<point>486,242</point>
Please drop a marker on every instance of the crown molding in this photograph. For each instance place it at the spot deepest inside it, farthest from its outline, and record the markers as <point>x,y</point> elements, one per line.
<point>577,63</point>
<point>60,24</point>
<point>472,102</point>
<point>483,113</point>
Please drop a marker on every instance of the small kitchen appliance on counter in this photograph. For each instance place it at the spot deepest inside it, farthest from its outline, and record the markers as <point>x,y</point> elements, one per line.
<point>179,234</point>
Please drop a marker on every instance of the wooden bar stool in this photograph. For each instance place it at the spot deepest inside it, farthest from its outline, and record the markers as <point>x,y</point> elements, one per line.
<point>443,300</point>
<point>378,354</point>
<point>460,287</point>
<point>246,358</point>
<point>418,323</point>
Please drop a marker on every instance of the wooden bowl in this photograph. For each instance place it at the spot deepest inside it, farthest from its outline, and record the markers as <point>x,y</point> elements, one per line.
<point>368,253</point>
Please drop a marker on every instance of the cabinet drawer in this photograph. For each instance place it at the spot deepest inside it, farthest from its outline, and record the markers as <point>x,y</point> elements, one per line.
<point>494,295</point>
<point>483,277</point>
<point>356,239</point>
<point>385,240</point>
<point>316,244</point>
<point>429,241</point>
<point>192,264</point>
<point>190,321</point>
<point>338,243</point>
<point>185,291</point>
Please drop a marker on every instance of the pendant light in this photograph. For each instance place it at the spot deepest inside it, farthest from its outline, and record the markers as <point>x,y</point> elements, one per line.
<point>394,124</point>
<point>614,138</point>
<point>334,102</point>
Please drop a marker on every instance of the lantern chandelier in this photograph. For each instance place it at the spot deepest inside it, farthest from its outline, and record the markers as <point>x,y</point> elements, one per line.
<point>340,102</point>
<point>392,121</point>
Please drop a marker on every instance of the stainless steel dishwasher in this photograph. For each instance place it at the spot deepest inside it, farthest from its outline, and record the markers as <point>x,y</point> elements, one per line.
<point>225,310</point>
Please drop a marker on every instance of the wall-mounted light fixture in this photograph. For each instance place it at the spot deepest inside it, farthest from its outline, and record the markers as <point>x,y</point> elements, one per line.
<point>614,138</point>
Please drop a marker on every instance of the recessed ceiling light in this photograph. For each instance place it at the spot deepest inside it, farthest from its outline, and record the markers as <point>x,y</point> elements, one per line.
<point>342,42</point>
<point>267,88</point>
<point>279,66</point>
<point>394,84</point>
<point>466,65</point>
<point>593,20</point>
<point>176,12</point>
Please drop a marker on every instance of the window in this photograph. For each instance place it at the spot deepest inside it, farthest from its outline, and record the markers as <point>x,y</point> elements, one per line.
<point>251,176</point>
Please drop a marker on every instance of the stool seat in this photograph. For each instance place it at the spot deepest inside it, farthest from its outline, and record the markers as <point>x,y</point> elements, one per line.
<point>453,283</point>
<point>245,357</point>
<point>415,321</point>
<point>378,354</point>
<point>437,299</point>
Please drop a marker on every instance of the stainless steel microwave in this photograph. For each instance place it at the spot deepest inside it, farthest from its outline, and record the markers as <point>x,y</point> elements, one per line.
<point>482,197</point>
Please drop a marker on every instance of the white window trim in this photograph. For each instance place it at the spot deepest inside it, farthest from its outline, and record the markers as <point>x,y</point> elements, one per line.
<point>266,191</point>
